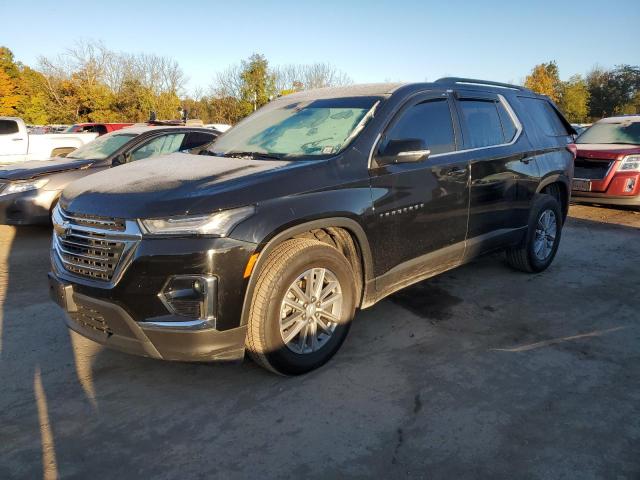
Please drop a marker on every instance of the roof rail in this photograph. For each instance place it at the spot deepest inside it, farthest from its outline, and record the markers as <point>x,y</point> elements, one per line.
<point>474,81</point>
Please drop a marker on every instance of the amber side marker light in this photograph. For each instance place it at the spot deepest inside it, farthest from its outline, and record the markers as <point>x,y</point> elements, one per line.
<point>250,264</point>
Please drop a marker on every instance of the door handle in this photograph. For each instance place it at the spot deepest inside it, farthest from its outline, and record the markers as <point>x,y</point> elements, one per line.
<point>17,139</point>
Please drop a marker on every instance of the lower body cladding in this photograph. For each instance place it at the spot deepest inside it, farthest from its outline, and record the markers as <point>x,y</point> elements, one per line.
<point>177,299</point>
<point>32,207</point>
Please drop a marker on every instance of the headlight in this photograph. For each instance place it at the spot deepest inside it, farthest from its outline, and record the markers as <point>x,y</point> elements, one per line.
<point>218,224</point>
<point>630,163</point>
<point>17,187</point>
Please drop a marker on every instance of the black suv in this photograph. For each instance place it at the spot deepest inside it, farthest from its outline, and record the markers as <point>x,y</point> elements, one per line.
<point>320,203</point>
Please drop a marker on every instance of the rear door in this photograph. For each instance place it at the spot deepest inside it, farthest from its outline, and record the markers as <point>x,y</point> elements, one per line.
<point>491,132</point>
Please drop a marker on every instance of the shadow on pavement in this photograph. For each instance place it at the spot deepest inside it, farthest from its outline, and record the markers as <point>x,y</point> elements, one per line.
<point>419,386</point>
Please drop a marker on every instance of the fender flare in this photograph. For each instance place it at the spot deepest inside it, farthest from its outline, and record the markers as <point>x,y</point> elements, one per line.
<point>557,178</point>
<point>276,239</point>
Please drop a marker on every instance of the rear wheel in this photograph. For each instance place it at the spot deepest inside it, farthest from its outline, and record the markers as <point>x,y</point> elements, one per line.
<point>539,248</point>
<point>302,307</point>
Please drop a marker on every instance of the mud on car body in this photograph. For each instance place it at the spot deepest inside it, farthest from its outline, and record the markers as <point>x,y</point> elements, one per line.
<point>318,204</point>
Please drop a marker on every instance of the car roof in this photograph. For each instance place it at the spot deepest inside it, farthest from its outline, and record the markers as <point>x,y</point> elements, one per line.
<point>140,129</point>
<point>386,89</point>
<point>82,124</point>
<point>620,119</point>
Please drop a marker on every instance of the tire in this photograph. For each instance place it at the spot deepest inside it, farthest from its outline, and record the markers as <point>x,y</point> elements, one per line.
<point>524,257</point>
<point>267,329</point>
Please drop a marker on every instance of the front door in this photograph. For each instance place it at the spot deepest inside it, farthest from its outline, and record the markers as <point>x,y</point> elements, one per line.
<point>420,204</point>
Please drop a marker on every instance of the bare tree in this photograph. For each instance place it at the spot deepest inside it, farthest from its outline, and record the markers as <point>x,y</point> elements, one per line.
<point>228,83</point>
<point>91,62</point>
<point>308,76</point>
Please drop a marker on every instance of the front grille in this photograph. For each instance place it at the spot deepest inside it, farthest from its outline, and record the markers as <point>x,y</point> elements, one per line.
<point>106,223</point>
<point>591,169</point>
<point>89,254</point>
<point>90,318</point>
<point>91,247</point>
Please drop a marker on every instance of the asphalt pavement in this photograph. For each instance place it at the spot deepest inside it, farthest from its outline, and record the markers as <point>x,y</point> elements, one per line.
<point>482,372</point>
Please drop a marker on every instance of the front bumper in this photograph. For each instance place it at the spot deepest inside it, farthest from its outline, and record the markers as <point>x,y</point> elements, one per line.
<point>27,208</point>
<point>604,199</point>
<point>623,188</point>
<point>111,325</point>
<point>130,315</point>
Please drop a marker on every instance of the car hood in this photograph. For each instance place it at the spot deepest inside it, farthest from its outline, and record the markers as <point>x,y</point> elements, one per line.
<point>37,168</point>
<point>179,184</point>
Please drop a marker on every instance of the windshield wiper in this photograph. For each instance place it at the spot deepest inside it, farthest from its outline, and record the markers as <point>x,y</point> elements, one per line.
<point>254,155</point>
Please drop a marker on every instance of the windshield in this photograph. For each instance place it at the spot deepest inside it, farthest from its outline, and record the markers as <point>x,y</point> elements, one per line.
<point>299,129</point>
<point>101,147</point>
<point>623,132</point>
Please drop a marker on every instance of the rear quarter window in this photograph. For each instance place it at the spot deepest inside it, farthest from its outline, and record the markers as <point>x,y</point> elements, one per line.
<point>545,116</point>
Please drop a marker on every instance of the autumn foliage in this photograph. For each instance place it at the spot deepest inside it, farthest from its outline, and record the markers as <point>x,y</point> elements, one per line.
<point>90,83</point>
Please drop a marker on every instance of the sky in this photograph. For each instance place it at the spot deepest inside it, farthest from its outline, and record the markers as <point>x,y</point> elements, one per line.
<point>371,41</point>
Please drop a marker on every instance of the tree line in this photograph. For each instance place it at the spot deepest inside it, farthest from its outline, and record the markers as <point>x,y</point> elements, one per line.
<point>91,83</point>
<point>600,93</point>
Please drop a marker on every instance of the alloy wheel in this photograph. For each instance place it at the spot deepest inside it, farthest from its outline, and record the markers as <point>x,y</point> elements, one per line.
<point>310,310</point>
<point>545,236</point>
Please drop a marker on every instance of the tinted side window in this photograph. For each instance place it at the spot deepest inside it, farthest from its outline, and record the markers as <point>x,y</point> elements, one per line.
<point>196,140</point>
<point>483,126</point>
<point>159,146</point>
<point>545,116</point>
<point>429,121</point>
<point>8,126</point>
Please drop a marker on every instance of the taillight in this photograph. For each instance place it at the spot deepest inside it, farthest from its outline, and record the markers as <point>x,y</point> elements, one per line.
<point>573,149</point>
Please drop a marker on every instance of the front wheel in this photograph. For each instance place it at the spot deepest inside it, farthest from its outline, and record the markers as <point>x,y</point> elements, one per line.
<point>539,248</point>
<point>302,307</point>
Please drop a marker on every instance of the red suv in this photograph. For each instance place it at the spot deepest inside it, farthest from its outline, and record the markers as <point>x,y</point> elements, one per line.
<point>607,165</point>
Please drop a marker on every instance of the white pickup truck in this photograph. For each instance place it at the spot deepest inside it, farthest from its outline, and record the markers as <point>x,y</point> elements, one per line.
<point>16,145</point>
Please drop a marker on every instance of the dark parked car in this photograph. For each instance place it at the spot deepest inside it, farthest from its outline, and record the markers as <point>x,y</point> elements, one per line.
<point>29,190</point>
<point>607,167</point>
<point>318,204</point>
<point>99,128</point>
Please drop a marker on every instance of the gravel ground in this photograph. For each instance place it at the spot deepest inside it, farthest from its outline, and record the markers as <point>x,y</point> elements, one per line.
<point>482,372</point>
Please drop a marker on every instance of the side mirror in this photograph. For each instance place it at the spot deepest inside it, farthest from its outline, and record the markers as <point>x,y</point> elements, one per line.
<point>119,160</point>
<point>406,150</point>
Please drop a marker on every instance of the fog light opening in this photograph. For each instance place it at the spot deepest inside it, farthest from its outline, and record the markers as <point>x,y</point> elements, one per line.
<point>192,296</point>
<point>630,185</point>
